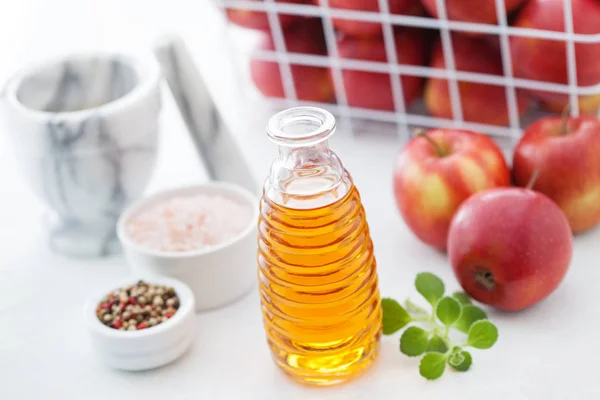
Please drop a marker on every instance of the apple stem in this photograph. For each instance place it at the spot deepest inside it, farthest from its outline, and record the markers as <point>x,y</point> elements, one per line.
<point>533,179</point>
<point>564,120</point>
<point>438,149</point>
<point>486,279</point>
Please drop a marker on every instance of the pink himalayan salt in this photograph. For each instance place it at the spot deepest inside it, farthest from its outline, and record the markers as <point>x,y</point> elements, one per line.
<point>185,223</point>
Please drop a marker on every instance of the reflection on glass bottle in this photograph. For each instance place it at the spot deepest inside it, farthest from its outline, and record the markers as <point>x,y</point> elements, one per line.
<point>318,279</point>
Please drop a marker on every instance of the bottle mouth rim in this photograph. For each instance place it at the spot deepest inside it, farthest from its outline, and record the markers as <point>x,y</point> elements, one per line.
<point>301,126</point>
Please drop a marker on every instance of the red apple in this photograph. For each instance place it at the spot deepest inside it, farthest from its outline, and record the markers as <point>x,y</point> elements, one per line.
<point>435,173</point>
<point>259,19</point>
<point>483,12</point>
<point>480,102</point>
<point>546,60</point>
<point>509,247</point>
<point>373,89</point>
<point>567,155</point>
<point>370,29</point>
<point>311,83</point>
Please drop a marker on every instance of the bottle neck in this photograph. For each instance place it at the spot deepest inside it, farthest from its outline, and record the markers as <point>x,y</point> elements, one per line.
<point>306,156</point>
<point>307,174</point>
<point>307,177</point>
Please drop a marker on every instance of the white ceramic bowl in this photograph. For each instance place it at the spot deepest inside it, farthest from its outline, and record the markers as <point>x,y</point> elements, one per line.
<point>148,348</point>
<point>217,275</point>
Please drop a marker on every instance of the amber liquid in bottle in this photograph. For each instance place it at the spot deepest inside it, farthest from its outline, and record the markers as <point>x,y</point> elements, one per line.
<point>318,279</point>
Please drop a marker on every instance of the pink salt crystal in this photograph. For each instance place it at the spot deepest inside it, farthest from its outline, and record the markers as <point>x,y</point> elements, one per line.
<point>184,223</point>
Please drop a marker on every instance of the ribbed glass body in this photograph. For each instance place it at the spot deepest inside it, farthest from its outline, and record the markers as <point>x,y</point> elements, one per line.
<point>317,271</point>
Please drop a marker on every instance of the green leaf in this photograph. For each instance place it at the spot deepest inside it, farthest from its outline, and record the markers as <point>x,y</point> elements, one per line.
<point>430,286</point>
<point>462,297</point>
<point>415,310</point>
<point>394,316</point>
<point>414,341</point>
<point>460,361</point>
<point>448,310</point>
<point>470,314</point>
<point>436,344</point>
<point>482,334</point>
<point>432,365</point>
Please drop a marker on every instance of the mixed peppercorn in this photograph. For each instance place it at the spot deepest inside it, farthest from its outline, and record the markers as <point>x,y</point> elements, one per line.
<point>138,306</point>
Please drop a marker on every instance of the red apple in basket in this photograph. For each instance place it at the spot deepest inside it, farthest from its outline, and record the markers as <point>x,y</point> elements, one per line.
<point>373,90</point>
<point>481,11</point>
<point>566,152</point>
<point>437,171</point>
<point>480,102</point>
<point>311,83</point>
<point>370,29</point>
<point>259,19</point>
<point>509,247</point>
<point>546,60</point>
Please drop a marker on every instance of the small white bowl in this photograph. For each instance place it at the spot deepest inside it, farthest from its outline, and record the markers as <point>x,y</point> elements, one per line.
<point>148,348</point>
<point>218,275</point>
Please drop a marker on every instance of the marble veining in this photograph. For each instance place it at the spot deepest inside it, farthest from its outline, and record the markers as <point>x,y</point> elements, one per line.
<point>221,153</point>
<point>67,178</point>
<point>77,85</point>
<point>87,166</point>
<point>69,85</point>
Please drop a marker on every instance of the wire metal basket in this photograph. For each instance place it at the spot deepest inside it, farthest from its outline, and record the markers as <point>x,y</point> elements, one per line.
<point>402,116</point>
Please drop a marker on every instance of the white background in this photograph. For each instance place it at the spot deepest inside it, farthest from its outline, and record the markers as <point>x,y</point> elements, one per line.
<point>547,352</point>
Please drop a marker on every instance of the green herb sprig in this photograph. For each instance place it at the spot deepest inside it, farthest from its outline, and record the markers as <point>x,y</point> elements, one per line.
<point>434,343</point>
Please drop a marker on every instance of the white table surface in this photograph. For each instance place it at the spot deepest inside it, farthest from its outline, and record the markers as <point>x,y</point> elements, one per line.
<point>547,352</point>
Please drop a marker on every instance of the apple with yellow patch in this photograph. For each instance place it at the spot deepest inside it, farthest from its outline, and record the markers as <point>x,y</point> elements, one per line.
<point>566,152</point>
<point>437,171</point>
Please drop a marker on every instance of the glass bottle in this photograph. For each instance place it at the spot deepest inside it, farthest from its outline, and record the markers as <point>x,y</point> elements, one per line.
<point>318,279</point>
